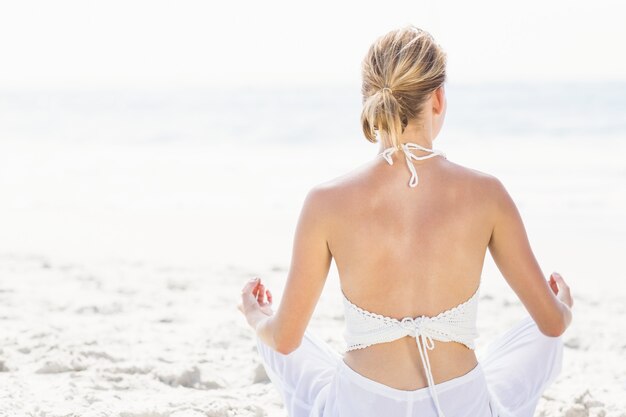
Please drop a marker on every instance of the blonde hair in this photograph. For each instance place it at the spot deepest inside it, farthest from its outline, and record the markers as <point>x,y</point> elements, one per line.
<point>400,71</point>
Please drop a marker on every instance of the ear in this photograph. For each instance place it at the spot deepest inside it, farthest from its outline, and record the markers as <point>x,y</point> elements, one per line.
<point>438,100</point>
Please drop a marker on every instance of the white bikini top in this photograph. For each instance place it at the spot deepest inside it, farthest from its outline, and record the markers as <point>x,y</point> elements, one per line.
<point>457,324</point>
<point>406,147</point>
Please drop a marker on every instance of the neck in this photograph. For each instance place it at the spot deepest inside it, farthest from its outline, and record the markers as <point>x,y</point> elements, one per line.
<point>425,144</point>
<point>414,133</point>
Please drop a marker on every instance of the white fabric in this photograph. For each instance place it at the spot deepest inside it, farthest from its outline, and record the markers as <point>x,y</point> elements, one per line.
<point>511,375</point>
<point>406,148</point>
<point>458,324</point>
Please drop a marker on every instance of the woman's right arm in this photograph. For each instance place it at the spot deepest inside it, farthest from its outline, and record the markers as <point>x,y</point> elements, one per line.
<point>548,302</point>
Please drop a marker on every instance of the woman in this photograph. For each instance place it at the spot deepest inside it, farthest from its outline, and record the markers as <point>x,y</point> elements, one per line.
<point>410,260</point>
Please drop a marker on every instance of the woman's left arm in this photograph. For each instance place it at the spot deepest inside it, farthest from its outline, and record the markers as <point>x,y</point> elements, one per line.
<point>310,263</point>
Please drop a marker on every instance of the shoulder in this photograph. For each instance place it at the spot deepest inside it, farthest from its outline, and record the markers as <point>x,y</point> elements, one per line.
<point>335,190</point>
<point>487,185</point>
<point>324,195</point>
<point>478,183</point>
<point>359,184</point>
<point>488,192</point>
<point>326,201</point>
<point>319,210</point>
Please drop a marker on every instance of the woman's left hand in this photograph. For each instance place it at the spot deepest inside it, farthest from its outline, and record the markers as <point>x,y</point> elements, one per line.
<point>253,304</point>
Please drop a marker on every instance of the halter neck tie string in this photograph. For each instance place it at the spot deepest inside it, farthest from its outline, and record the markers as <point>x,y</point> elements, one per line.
<point>406,147</point>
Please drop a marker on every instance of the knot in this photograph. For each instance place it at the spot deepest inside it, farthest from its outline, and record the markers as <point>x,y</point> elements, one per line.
<point>408,156</point>
<point>415,328</point>
<point>406,148</point>
<point>408,323</point>
<point>387,88</point>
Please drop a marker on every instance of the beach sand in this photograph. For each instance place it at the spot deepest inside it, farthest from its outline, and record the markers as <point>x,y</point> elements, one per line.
<point>121,268</point>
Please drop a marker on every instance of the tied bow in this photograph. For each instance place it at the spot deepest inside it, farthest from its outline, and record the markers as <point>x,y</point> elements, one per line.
<point>416,329</point>
<point>414,326</point>
<point>406,147</point>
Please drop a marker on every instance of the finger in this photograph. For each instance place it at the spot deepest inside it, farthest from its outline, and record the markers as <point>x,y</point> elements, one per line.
<point>553,285</point>
<point>255,290</point>
<point>249,286</point>
<point>268,298</point>
<point>559,279</point>
<point>261,294</point>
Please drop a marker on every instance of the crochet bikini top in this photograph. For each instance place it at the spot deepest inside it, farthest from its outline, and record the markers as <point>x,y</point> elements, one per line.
<point>457,324</point>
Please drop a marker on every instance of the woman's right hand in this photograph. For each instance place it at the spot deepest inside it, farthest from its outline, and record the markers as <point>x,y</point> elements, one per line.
<point>561,289</point>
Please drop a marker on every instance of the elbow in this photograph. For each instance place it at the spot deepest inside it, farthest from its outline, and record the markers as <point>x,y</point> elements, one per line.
<point>555,329</point>
<point>553,332</point>
<point>283,350</point>
<point>286,339</point>
<point>557,326</point>
<point>285,342</point>
<point>286,347</point>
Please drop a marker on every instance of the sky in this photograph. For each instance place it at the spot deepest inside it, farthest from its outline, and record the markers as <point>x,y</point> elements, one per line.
<point>170,44</point>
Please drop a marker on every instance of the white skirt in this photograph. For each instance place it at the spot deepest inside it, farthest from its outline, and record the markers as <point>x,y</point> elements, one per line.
<point>513,372</point>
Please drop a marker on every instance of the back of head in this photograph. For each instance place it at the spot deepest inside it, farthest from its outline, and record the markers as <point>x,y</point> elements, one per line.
<point>400,71</point>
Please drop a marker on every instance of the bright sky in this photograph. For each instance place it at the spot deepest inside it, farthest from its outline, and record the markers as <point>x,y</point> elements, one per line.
<point>168,44</point>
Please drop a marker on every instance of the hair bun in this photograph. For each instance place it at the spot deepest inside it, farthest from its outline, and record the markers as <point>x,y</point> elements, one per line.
<point>409,59</point>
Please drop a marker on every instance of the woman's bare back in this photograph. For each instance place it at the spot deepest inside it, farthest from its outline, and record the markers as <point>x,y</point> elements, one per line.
<point>404,251</point>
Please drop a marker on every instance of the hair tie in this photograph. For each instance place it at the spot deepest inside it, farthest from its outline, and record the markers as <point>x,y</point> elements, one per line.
<point>387,88</point>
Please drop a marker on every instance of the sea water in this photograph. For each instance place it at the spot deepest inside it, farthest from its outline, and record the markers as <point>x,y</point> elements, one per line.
<point>218,176</point>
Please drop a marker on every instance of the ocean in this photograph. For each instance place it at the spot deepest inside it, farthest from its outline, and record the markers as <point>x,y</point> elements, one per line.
<point>297,114</point>
<point>209,176</point>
